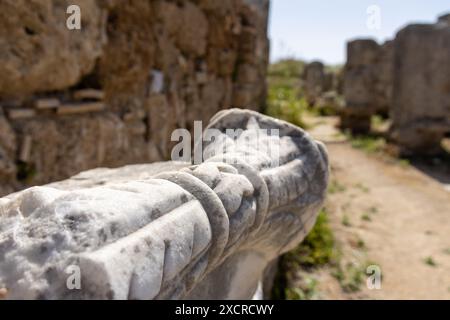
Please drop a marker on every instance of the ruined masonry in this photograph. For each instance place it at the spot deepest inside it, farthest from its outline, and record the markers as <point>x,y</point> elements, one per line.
<point>321,87</point>
<point>407,79</point>
<point>421,101</point>
<point>111,93</point>
<point>316,81</point>
<point>169,230</point>
<point>364,89</point>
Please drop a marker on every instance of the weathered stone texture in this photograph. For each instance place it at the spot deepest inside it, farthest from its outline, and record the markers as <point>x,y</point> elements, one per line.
<point>158,65</point>
<point>8,152</point>
<point>315,81</point>
<point>384,78</point>
<point>322,88</point>
<point>359,81</point>
<point>367,83</point>
<point>421,98</point>
<point>169,230</point>
<point>39,53</point>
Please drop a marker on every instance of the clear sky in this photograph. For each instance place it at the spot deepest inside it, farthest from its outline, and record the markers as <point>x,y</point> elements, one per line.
<point>319,29</point>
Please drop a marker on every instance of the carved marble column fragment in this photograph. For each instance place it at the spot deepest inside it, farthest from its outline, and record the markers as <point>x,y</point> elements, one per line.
<point>169,230</point>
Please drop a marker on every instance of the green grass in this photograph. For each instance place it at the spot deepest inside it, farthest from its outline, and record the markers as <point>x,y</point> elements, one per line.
<point>350,276</point>
<point>404,162</point>
<point>377,121</point>
<point>283,103</point>
<point>286,68</point>
<point>317,249</point>
<point>335,187</point>
<point>346,221</point>
<point>367,143</point>
<point>430,261</point>
<point>307,291</point>
<point>373,210</point>
<point>284,98</point>
<point>366,217</point>
<point>361,244</point>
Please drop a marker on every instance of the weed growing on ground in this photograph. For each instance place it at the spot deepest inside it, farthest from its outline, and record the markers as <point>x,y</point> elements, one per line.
<point>361,244</point>
<point>368,144</point>
<point>306,291</point>
<point>362,187</point>
<point>346,221</point>
<point>317,249</point>
<point>430,261</point>
<point>335,187</point>
<point>373,210</point>
<point>351,276</point>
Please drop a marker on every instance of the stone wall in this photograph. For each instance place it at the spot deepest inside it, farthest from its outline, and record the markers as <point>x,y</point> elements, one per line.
<point>421,96</point>
<point>112,93</point>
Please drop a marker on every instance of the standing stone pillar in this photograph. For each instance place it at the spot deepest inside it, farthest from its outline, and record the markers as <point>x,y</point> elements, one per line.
<point>421,93</point>
<point>359,85</point>
<point>314,81</point>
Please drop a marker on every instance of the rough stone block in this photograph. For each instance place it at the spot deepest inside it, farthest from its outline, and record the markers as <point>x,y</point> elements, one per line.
<point>421,94</point>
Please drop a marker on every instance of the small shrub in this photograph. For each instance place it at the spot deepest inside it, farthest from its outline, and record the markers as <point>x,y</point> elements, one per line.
<point>360,244</point>
<point>306,291</point>
<point>317,248</point>
<point>373,209</point>
<point>350,277</point>
<point>283,103</point>
<point>430,261</point>
<point>377,121</point>
<point>346,221</point>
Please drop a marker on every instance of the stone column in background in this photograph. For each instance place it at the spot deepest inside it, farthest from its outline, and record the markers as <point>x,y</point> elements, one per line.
<point>384,79</point>
<point>359,85</point>
<point>421,93</point>
<point>315,81</point>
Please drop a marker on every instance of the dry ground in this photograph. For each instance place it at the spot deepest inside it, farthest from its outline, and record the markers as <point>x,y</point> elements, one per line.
<point>387,213</point>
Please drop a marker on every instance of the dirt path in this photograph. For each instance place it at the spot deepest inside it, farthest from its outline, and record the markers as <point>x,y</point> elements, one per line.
<point>391,214</point>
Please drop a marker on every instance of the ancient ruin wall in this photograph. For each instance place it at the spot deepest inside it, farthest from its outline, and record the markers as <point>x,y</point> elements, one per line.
<point>368,82</point>
<point>421,95</point>
<point>316,81</point>
<point>359,84</point>
<point>112,93</point>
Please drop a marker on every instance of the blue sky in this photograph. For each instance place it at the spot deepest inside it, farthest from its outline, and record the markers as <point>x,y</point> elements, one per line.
<point>319,29</point>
